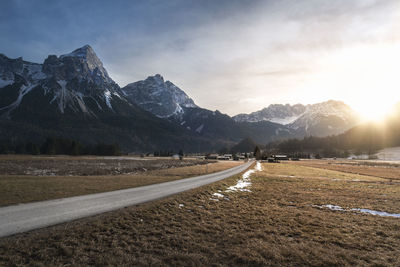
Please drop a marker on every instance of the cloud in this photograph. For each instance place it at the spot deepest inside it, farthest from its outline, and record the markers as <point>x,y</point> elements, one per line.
<point>222,53</point>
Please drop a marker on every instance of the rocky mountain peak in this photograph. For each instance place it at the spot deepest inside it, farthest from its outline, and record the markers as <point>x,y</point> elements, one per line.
<point>82,63</point>
<point>76,82</point>
<point>10,66</point>
<point>87,54</point>
<point>330,107</point>
<point>157,78</point>
<point>329,117</point>
<point>83,52</point>
<point>162,98</point>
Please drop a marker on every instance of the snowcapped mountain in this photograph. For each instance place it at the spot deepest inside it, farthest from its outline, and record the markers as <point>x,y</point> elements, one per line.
<point>162,98</point>
<point>75,82</point>
<point>72,96</point>
<point>321,119</point>
<point>165,100</point>
<point>326,118</point>
<point>277,113</point>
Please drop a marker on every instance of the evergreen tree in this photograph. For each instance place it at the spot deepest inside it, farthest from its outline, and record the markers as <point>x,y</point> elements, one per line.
<point>75,149</point>
<point>257,153</point>
<point>49,147</point>
<point>180,154</point>
<point>32,148</point>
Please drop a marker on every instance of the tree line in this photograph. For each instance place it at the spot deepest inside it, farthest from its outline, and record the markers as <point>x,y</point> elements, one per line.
<point>363,139</point>
<point>59,146</point>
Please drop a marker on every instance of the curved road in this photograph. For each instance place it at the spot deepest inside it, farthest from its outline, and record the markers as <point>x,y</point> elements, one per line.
<point>25,217</point>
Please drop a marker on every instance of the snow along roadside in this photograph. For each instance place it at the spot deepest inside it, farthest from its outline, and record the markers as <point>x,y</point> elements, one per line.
<point>242,184</point>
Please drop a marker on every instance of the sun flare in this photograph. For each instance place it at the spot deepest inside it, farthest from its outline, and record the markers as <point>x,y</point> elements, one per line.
<point>369,112</point>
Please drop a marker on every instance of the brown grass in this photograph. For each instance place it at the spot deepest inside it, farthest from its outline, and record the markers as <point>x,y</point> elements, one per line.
<point>276,224</point>
<point>375,169</point>
<point>27,188</point>
<point>86,165</point>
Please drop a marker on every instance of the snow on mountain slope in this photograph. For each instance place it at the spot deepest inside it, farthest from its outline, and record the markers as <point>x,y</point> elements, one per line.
<point>277,113</point>
<point>327,118</point>
<point>10,68</point>
<point>285,120</point>
<point>4,83</point>
<point>72,80</point>
<point>162,98</point>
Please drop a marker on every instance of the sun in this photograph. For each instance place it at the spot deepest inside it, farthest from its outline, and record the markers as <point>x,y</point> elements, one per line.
<point>366,77</point>
<point>373,111</point>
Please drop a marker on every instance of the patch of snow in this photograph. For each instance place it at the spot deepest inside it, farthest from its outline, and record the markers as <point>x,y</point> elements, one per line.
<point>240,186</point>
<point>22,92</point>
<point>107,96</point>
<point>35,71</point>
<point>61,102</point>
<point>54,98</point>
<point>200,128</point>
<point>287,176</point>
<point>332,207</point>
<point>245,182</point>
<point>182,123</point>
<point>389,154</point>
<point>81,52</point>
<point>379,213</point>
<point>368,211</point>
<point>4,83</point>
<point>218,195</point>
<point>190,105</point>
<point>116,94</point>
<point>181,206</point>
<point>285,120</point>
<point>258,167</point>
<point>40,172</point>
<point>81,103</point>
<point>178,109</point>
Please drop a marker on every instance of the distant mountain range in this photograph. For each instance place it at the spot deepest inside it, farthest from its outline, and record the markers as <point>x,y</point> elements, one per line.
<point>365,138</point>
<point>72,96</point>
<point>330,117</point>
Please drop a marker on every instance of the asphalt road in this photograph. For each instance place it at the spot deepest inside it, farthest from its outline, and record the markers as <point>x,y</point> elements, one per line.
<point>25,217</point>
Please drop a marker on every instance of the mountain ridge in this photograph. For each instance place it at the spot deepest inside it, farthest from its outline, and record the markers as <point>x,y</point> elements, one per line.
<point>311,119</point>
<point>73,91</point>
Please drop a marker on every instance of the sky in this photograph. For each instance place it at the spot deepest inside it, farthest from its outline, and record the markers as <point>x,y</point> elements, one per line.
<point>230,55</point>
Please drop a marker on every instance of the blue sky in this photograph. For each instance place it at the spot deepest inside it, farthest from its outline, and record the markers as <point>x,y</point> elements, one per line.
<point>235,56</point>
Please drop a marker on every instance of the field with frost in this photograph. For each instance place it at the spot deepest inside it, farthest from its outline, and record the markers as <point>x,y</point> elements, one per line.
<point>273,214</point>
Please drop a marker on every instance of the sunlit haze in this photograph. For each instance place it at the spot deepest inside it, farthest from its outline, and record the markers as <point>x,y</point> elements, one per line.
<point>234,56</point>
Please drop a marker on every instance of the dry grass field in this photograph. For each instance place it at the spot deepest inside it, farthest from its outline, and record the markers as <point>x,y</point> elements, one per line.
<point>283,221</point>
<point>372,168</point>
<point>27,178</point>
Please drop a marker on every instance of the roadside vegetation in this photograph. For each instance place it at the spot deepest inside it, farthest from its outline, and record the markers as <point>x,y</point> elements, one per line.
<point>283,221</point>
